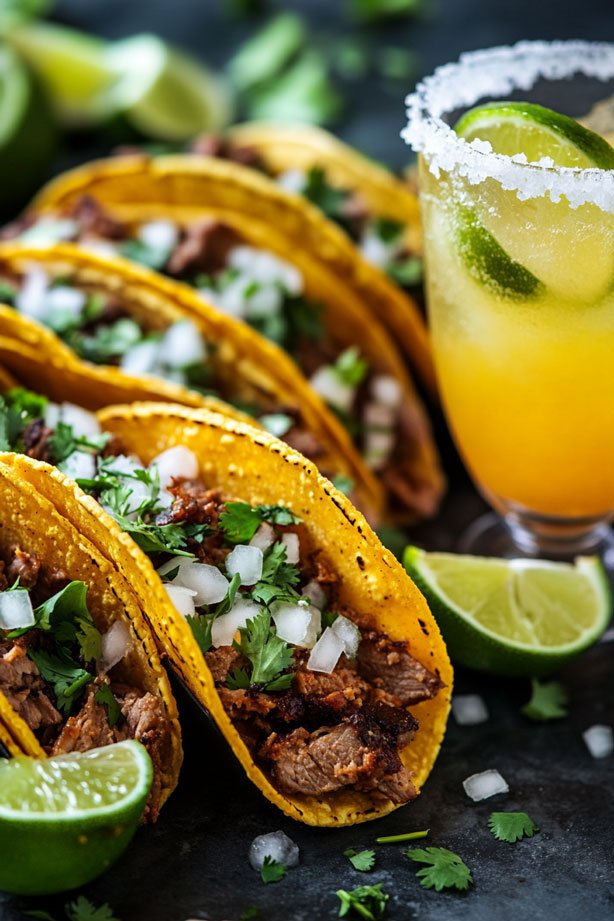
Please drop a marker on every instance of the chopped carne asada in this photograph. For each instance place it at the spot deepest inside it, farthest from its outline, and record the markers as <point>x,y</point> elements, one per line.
<point>318,695</point>
<point>52,671</point>
<point>267,292</point>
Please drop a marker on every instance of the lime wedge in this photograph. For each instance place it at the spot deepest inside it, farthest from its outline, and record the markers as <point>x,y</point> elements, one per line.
<point>27,131</point>
<point>513,617</point>
<point>73,68</point>
<point>163,92</point>
<point>542,244</point>
<point>64,820</point>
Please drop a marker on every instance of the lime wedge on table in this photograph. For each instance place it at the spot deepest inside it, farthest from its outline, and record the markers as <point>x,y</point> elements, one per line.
<point>73,68</point>
<point>165,93</point>
<point>27,132</point>
<point>64,820</point>
<point>510,244</point>
<point>513,617</point>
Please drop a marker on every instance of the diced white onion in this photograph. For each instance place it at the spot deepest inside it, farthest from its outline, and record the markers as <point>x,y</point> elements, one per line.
<point>82,422</point>
<point>247,561</point>
<point>174,563</point>
<point>116,643</point>
<point>331,388</point>
<point>482,786</point>
<point>378,448</point>
<point>293,180</point>
<point>263,266</point>
<point>264,537</point>
<point>210,585</point>
<point>469,709</point>
<point>159,234</point>
<point>277,846</point>
<point>348,633</point>
<point>266,301</point>
<point>231,300</point>
<point>316,593</point>
<point>64,302</point>
<point>293,547</point>
<point>124,465</point>
<point>16,610</point>
<point>224,628</point>
<point>599,740</point>
<point>141,358</point>
<point>182,598</point>
<point>387,391</point>
<point>32,295</point>
<point>80,465</point>
<point>49,230</point>
<point>298,624</point>
<point>182,344</point>
<point>326,653</point>
<point>177,461</point>
<point>377,251</point>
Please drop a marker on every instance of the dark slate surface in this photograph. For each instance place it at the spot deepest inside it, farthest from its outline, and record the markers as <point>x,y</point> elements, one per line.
<point>193,864</point>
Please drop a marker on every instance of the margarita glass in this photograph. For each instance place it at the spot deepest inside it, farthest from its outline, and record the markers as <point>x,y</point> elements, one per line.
<point>520,285</point>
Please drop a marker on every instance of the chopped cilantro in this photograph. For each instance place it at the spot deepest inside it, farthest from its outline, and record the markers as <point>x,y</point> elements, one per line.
<point>63,442</point>
<point>153,257</point>
<point>109,341</point>
<point>240,521</point>
<point>350,367</point>
<point>360,860</point>
<point>66,617</point>
<point>343,483</point>
<point>272,871</point>
<point>229,600</point>
<point>367,902</point>
<point>328,198</point>
<point>277,514</point>
<point>444,869</point>
<point>388,230</point>
<point>278,577</point>
<point>65,677</point>
<point>406,272</point>
<point>84,910</point>
<point>511,826</point>
<point>104,696</point>
<point>18,408</point>
<point>8,293</point>
<point>304,320</point>
<point>200,625</point>
<point>547,701</point>
<point>268,654</point>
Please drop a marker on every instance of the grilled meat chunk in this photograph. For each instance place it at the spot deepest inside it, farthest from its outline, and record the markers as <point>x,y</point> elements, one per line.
<point>387,665</point>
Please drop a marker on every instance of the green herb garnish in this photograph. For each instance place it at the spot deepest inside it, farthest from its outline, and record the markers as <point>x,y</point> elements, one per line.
<point>268,654</point>
<point>360,860</point>
<point>511,826</point>
<point>548,701</point>
<point>104,696</point>
<point>366,902</point>
<point>444,870</point>
<point>272,871</point>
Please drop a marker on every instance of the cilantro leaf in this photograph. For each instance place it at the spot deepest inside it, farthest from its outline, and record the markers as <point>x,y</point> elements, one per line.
<point>547,701</point>
<point>84,910</point>
<point>110,340</point>
<point>278,577</point>
<point>200,625</point>
<point>350,368</point>
<point>153,257</point>
<point>63,442</point>
<point>238,678</point>
<point>511,826</point>
<point>239,521</point>
<point>65,677</point>
<point>269,655</point>
<point>304,321</point>
<point>367,902</point>
<point>406,272</point>
<point>104,696</point>
<point>445,869</point>
<point>66,617</point>
<point>360,860</point>
<point>18,407</point>
<point>277,514</point>
<point>249,913</point>
<point>328,198</point>
<point>229,600</point>
<point>343,483</point>
<point>272,871</point>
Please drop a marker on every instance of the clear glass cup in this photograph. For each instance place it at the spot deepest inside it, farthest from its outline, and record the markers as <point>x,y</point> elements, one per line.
<point>520,291</point>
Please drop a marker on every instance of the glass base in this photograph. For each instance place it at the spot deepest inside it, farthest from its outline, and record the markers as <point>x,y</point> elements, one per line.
<point>537,536</point>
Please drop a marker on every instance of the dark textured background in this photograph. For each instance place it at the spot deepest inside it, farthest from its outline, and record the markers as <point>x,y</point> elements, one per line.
<point>193,863</point>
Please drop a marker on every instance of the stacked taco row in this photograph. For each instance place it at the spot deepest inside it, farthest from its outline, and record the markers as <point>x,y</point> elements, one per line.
<point>187,524</point>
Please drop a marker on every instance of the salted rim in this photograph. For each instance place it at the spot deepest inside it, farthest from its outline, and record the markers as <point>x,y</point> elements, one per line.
<point>493,73</point>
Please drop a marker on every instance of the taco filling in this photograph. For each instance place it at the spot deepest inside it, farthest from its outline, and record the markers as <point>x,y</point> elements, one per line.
<point>99,327</point>
<point>319,695</point>
<point>57,668</point>
<point>267,292</point>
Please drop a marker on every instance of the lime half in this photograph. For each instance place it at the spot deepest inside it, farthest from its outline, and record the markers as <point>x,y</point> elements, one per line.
<point>65,820</point>
<point>163,92</point>
<point>513,617</point>
<point>526,248</point>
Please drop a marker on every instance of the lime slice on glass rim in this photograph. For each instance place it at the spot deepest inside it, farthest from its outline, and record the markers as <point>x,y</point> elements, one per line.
<point>65,820</point>
<point>27,131</point>
<point>159,90</point>
<point>518,617</point>
<point>508,243</point>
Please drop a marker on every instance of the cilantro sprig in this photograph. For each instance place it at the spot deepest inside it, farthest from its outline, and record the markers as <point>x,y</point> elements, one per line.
<point>272,870</point>
<point>18,407</point>
<point>511,826</point>
<point>269,656</point>
<point>366,902</point>
<point>548,701</point>
<point>240,521</point>
<point>350,367</point>
<point>444,869</point>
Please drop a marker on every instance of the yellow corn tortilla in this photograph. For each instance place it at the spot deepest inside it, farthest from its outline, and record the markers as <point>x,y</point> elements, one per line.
<point>258,369</point>
<point>41,522</point>
<point>252,466</point>
<point>185,188</point>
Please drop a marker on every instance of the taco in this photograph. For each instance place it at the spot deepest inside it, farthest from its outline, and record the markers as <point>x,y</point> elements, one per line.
<point>78,664</point>
<point>253,250</point>
<point>131,321</point>
<point>301,636</point>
